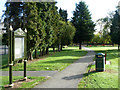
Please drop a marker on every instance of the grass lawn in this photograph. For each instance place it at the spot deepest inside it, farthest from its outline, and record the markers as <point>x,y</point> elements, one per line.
<point>53,61</point>
<point>106,79</point>
<point>4,61</point>
<point>28,84</point>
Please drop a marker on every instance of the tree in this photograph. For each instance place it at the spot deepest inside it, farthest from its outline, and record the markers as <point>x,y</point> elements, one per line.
<point>63,14</point>
<point>105,24</point>
<point>67,34</point>
<point>96,39</point>
<point>115,29</point>
<point>45,27</point>
<point>83,23</point>
<point>13,17</point>
<point>32,20</point>
<point>49,14</point>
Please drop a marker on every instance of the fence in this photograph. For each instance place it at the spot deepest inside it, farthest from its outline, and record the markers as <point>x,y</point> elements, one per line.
<point>3,49</point>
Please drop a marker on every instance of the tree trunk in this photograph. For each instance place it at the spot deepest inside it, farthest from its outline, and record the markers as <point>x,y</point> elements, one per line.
<point>35,53</point>
<point>53,49</point>
<point>47,50</point>
<point>80,45</point>
<point>61,47</point>
<point>40,52</point>
<point>87,43</point>
<point>118,46</point>
<point>30,56</point>
<point>43,52</point>
<point>113,44</point>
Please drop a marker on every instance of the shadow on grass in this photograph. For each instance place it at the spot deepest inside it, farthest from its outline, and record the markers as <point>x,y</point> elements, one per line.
<point>73,77</point>
<point>5,66</point>
<point>78,76</point>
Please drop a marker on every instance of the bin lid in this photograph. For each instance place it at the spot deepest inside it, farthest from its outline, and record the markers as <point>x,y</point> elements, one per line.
<point>100,54</point>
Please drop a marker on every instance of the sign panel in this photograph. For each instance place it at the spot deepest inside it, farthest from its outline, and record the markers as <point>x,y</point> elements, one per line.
<point>19,47</point>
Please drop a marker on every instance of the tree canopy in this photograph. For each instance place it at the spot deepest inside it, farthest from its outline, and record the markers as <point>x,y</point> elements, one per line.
<point>115,29</point>
<point>46,27</point>
<point>83,23</point>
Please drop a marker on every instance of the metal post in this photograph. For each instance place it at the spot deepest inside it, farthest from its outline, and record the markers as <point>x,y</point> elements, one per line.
<point>105,56</point>
<point>25,61</point>
<point>25,69</point>
<point>10,57</point>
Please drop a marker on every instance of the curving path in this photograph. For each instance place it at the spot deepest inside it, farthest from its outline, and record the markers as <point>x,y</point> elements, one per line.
<point>71,76</point>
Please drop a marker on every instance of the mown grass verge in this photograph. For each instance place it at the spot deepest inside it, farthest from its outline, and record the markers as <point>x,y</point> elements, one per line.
<point>54,61</point>
<point>106,79</point>
<point>20,83</point>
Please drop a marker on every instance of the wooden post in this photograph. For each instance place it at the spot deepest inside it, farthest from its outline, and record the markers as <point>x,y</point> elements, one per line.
<point>10,56</point>
<point>25,77</point>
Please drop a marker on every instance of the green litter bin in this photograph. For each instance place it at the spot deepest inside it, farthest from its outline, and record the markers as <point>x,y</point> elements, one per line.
<point>100,62</point>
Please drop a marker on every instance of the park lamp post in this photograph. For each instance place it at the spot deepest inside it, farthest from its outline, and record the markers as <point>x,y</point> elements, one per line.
<point>10,45</point>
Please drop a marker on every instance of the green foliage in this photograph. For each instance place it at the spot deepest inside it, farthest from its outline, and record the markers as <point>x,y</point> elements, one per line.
<point>13,14</point>
<point>115,29</point>
<point>96,39</point>
<point>33,38</point>
<point>100,39</point>
<point>63,14</point>
<point>13,17</point>
<point>45,26</point>
<point>104,33</point>
<point>68,33</point>
<point>83,23</point>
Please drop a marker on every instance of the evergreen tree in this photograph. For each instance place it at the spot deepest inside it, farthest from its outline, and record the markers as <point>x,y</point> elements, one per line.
<point>48,16</point>
<point>13,17</point>
<point>63,14</point>
<point>115,29</point>
<point>43,23</point>
<point>83,23</point>
<point>31,25</point>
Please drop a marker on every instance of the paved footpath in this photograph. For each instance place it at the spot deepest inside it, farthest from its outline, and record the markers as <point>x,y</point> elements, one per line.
<point>30,73</point>
<point>71,76</point>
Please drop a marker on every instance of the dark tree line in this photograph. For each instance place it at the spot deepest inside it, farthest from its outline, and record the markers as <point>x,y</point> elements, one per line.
<point>46,27</point>
<point>115,29</point>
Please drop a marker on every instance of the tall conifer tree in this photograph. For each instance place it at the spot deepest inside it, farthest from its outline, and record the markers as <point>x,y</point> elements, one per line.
<point>115,29</point>
<point>83,23</point>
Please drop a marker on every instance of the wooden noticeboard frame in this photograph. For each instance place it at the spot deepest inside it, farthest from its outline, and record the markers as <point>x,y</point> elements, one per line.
<point>17,37</point>
<point>19,45</point>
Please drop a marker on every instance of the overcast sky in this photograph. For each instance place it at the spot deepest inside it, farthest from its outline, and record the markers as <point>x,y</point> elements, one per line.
<point>98,8</point>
